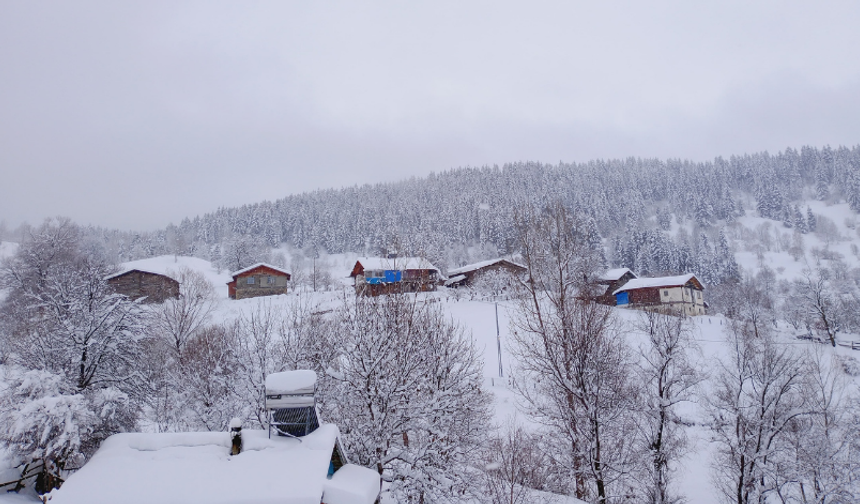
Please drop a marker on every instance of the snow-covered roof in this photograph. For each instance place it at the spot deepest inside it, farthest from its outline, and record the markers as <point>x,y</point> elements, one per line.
<point>352,484</point>
<point>454,279</point>
<point>195,467</point>
<point>302,381</point>
<point>615,274</point>
<point>482,264</point>
<point>397,263</point>
<point>170,266</point>
<point>249,268</point>
<point>129,270</point>
<point>642,283</point>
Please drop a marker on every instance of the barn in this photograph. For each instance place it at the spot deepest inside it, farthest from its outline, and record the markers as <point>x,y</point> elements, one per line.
<point>258,280</point>
<point>612,280</point>
<point>138,283</point>
<point>471,273</point>
<point>676,294</point>
<point>373,276</point>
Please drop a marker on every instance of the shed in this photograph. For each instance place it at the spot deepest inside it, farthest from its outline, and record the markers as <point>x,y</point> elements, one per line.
<point>612,280</point>
<point>258,280</point>
<point>469,274</point>
<point>138,283</point>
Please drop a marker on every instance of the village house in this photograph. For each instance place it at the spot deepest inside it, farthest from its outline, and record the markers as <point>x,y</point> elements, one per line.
<point>471,273</point>
<point>675,294</point>
<point>138,283</point>
<point>373,276</point>
<point>258,280</point>
<point>613,280</point>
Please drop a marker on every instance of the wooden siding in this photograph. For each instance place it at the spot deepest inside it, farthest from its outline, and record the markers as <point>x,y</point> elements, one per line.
<point>266,282</point>
<point>687,298</point>
<point>153,287</point>
<point>474,275</point>
<point>607,297</point>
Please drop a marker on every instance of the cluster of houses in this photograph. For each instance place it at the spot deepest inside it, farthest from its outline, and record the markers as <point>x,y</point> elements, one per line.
<point>374,276</point>
<point>305,458</point>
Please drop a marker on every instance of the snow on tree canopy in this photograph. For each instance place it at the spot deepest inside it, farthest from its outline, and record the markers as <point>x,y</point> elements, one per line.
<point>291,382</point>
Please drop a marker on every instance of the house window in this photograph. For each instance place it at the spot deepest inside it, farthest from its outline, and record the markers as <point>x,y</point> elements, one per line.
<point>271,280</point>
<point>250,280</point>
<point>665,293</point>
<point>699,295</point>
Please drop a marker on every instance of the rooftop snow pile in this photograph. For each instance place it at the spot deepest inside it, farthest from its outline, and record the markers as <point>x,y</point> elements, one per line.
<point>614,274</point>
<point>196,467</point>
<point>291,382</point>
<point>352,484</point>
<point>291,389</point>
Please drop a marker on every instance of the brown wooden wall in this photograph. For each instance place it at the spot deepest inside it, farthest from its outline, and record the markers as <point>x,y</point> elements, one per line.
<point>260,287</point>
<point>646,296</point>
<point>137,284</point>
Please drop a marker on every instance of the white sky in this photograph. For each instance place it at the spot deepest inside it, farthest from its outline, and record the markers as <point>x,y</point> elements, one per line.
<point>137,114</point>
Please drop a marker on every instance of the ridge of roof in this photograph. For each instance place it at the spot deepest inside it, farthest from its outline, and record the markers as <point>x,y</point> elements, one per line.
<point>481,264</point>
<point>142,270</point>
<point>249,268</point>
<point>642,283</point>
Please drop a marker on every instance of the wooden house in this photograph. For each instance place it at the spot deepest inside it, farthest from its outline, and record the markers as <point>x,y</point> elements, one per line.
<point>612,280</point>
<point>137,283</point>
<point>676,294</point>
<point>469,274</point>
<point>373,276</point>
<point>258,280</point>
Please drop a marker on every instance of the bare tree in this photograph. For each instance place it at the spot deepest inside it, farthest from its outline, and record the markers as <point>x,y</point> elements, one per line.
<point>668,378</point>
<point>817,296</point>
<point>208,379</point>
<point>757,394</point>
<point>178,319</point>
<point>575,370</point>
<point>514,466</point>
<point>821,463</point>
<point>260,354</point>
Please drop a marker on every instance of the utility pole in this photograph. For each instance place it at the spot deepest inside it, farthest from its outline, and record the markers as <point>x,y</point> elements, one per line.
<point>499,342</point>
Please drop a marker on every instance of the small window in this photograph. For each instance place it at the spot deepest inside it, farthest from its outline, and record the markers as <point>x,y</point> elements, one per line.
<point>699,295</point>
<point>250,280</point>
<point>665,293</point>
<point>271,280</point>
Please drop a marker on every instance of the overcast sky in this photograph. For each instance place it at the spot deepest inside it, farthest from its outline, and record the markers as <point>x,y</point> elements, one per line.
<point>137,114</point>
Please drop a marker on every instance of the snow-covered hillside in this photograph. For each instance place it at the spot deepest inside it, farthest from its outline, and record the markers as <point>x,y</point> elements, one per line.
<point>478,317</point>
